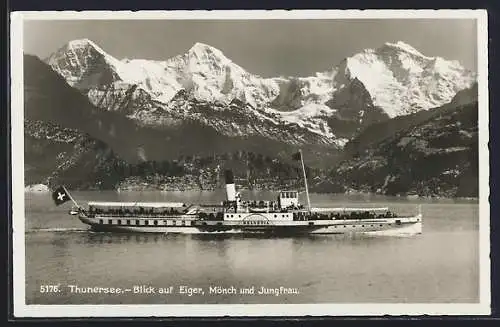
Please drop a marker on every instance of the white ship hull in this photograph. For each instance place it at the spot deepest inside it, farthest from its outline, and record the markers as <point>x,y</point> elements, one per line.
<point>190,225</point>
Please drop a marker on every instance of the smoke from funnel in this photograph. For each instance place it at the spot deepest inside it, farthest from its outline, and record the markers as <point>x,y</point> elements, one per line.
<point>141,154</point>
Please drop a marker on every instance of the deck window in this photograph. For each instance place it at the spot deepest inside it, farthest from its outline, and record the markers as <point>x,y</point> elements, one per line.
<point>137,222</point>
<point>100,221</point>
<point>110,222</point>
<point>156,222</point>
<point>119,222</point>
<point>146,222</point>
<point>128,222</point>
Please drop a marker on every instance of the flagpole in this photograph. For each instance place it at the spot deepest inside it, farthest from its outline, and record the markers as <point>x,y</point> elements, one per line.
<point>305,180</point>
<point>70,197</point>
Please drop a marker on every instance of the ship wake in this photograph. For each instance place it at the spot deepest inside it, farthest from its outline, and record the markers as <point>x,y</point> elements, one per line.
<point>57,230</point>
<point>408,231</point>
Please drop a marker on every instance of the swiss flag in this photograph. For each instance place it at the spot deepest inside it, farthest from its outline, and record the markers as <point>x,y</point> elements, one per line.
<point>60,195</point>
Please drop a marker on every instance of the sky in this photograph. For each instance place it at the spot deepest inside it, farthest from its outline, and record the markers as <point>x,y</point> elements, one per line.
<point>265,47</point>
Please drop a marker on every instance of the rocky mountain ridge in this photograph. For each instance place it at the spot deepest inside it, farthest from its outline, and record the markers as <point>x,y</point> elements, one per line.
<point>435,154</point>
<point>388,120</point>
<point>56,155</point>
<point>49,98</point>
<point>204,85</point>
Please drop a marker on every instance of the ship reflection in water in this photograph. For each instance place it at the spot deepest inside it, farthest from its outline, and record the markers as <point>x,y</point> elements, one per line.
<point>440,265</point>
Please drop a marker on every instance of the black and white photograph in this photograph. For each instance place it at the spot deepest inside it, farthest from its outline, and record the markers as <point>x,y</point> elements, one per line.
<point>250,163</point>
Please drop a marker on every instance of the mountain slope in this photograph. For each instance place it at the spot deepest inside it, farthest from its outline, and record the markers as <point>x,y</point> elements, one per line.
<point>437,156</point>
<point>56,155</point>
<point>401,80</point>
<point>327,108</point>
<point>404,120</point>
<point>377,132</point>
<point>50,99</point>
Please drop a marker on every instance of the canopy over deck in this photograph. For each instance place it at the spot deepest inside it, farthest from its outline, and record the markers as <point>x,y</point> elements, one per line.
<point>139,204</point>
<point>339,209</point>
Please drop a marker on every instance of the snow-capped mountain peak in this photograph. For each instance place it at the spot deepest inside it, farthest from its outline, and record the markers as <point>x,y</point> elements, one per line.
<point>394,79</point>
<point>202,58</point>
<point>402,80</point>
<point>81,60</point>
<point>201,50</point>
<point>402,46</point>
<point>84,43</point>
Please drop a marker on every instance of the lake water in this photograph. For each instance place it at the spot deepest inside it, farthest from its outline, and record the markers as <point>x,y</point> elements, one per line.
<point>440,265</point>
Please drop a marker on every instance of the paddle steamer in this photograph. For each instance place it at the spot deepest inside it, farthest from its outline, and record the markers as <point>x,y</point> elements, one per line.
<point>283,215</point>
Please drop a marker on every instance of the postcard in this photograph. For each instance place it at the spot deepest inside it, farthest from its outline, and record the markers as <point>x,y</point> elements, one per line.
<point>250,163</point>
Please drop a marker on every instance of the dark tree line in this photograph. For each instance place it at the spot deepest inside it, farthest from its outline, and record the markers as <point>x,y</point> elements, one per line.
<point>244,164</point>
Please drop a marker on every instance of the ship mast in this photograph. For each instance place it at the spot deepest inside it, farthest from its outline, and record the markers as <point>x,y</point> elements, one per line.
<point>305,180</point>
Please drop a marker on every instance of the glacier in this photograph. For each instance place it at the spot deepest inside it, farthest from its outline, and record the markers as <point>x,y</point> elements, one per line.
<point>205,85</point>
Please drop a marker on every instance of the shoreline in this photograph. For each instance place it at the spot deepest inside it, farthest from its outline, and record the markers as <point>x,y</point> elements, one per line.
<point>44,189</point>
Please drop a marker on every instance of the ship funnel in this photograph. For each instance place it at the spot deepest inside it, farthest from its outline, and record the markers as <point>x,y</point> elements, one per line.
<point>230,187</point>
